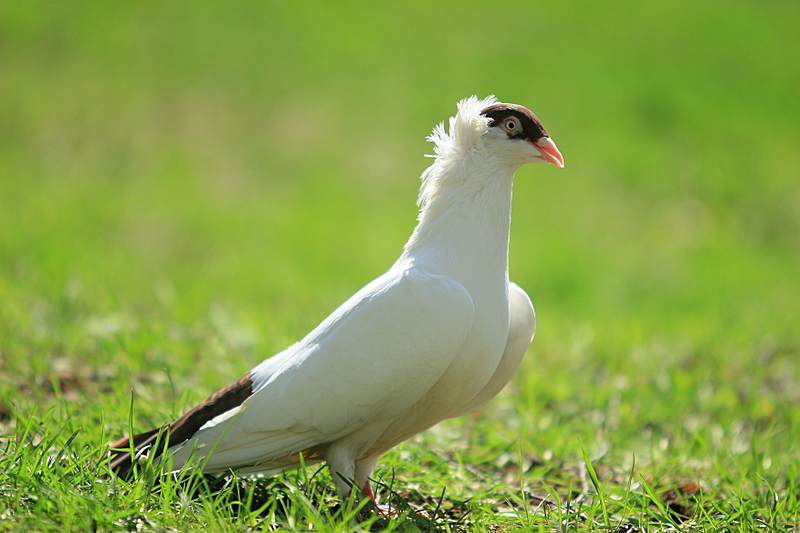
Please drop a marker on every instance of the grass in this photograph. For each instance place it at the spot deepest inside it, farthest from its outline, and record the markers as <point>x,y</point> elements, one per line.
<point>186,191</point>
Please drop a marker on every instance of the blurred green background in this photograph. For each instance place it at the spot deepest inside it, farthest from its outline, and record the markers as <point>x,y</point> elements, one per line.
<point>195,185</point>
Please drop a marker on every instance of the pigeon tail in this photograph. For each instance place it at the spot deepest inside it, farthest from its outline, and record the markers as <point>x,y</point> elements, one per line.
<point>154,442</point>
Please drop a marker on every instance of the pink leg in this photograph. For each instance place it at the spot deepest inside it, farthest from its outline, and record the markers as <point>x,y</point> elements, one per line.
<point>367,488</point>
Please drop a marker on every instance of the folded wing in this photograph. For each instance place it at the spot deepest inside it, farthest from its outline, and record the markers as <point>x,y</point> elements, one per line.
<point>364,366</point>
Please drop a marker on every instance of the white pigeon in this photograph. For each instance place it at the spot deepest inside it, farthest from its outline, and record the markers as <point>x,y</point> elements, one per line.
<point>437,336</point>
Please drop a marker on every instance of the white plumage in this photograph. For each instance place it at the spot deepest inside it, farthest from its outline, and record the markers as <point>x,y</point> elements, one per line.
<point>436,336</point>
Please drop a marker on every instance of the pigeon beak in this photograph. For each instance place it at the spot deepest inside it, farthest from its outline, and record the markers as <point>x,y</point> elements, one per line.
<point>549,152</point>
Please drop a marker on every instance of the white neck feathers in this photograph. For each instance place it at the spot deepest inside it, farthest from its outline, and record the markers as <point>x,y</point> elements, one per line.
<point>465,198</point>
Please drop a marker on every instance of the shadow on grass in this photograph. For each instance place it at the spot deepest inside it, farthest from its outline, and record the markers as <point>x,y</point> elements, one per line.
<point>296,500</point>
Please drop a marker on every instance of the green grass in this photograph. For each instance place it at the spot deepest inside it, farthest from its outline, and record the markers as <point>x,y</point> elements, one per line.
<point>187,189</point>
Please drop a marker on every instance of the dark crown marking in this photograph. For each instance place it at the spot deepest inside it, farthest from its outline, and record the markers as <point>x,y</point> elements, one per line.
<point>531,126</point>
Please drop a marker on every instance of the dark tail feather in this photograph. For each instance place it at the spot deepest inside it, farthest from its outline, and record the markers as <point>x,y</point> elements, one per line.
<point>159,439</point>
<point>122,453</point>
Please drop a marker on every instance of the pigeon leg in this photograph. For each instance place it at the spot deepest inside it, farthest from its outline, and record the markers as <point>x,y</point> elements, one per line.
<point>364,470</point>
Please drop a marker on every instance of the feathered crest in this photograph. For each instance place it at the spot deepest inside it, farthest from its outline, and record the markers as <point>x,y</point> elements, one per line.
<point>464,132</point>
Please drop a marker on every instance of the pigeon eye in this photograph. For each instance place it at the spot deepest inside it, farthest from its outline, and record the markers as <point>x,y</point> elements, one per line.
<point>511,125</point>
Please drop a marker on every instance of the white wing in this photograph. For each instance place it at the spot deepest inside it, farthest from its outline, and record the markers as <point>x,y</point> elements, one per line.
<point>367,363</point>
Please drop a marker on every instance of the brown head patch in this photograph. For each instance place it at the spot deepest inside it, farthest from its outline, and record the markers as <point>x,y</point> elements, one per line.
<point>531,126</point>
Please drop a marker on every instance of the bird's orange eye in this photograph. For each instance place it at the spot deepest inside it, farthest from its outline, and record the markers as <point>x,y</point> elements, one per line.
<point>511,124</point>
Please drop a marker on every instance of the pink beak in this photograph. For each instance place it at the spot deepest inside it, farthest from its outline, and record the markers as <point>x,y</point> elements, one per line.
<point>550,153</point>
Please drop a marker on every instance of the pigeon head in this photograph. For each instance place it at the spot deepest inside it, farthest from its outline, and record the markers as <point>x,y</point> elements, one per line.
<point>508,134</point>
<point>488,135</point>
<point>516,123</point>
